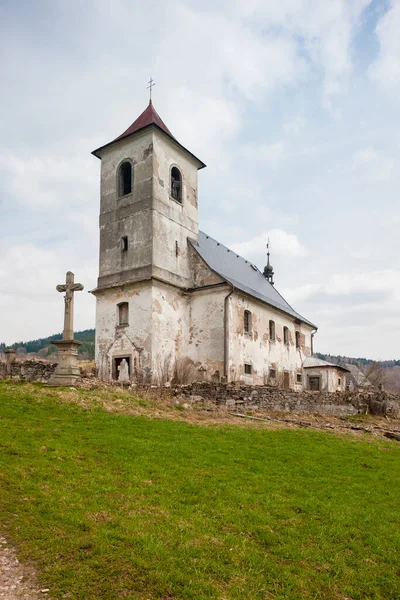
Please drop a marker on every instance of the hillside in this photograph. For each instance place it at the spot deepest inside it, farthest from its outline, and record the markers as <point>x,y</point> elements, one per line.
<point>86,337</point>
<point>361,363</point>
<point>108,500</point>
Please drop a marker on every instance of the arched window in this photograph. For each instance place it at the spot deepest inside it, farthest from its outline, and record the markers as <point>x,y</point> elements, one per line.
<point>272,331</point>
<point>297,339</point>
<point>123,313</point>
<point>247,321</point>
<point>286,336</point>
<point>125,179</point>
<point>176,184</point>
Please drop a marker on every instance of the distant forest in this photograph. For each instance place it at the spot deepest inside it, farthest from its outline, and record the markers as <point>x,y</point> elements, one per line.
<point>361,363</point>
<point>86,337</point>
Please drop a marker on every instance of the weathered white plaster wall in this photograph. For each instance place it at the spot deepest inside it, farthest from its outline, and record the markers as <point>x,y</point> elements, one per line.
<point>258,350</point>
<point>129,215</point>
<point>187,335</point>
<point>206,333</point>
<point>133,340</point>
<point>169,332</point>
<point>173,222</point>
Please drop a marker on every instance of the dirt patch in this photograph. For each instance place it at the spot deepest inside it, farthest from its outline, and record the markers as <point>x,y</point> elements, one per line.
<point>17,582</point>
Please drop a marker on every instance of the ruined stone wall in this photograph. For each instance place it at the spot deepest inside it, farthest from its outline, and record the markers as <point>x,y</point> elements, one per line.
<point>28,370</point>
<point>244,397</point>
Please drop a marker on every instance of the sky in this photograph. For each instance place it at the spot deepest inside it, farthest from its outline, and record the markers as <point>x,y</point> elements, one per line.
<point>293,105</point>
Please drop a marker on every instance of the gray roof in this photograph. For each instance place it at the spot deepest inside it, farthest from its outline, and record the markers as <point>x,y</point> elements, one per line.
<point>357,376</point>
<point>242,274</point>
<point>313,361</point>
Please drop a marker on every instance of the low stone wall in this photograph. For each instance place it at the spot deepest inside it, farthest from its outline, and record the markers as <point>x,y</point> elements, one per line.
<point>244,397</point>
<point>27,370</point>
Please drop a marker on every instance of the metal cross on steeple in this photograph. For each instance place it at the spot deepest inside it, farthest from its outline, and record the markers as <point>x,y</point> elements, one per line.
<point>150,86</point>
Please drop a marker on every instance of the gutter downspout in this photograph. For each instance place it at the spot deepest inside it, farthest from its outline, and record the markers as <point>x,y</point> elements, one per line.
<point>226,333</point>
<point>314,331</point>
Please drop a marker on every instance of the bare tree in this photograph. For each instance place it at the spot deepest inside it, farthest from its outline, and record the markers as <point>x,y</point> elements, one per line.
<point>375,373</point>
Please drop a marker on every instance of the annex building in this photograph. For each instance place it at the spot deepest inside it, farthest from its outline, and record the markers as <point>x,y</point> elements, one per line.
<point>173,304</point>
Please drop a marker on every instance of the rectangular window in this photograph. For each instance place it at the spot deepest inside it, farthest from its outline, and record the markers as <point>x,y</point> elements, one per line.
<point>272,331</point>
<point>299,378</point>
<point>339,381</point>
<point>286,336</point>
<point>272,373</point>
<point>314,382</point>
<point>124,243</point>
<point>297,339</point>
<point>247,321</point>
<point>123,313</point>
<point>248,369</point>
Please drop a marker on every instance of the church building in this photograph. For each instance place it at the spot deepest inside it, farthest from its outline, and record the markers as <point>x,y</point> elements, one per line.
<point>174,304</point>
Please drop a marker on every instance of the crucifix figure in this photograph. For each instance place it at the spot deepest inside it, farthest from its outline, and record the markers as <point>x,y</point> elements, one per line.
<point>69,287</point>
<point>150,86</point>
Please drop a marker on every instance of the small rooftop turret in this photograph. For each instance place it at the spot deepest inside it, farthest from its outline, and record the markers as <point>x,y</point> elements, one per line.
<point>268,269</point>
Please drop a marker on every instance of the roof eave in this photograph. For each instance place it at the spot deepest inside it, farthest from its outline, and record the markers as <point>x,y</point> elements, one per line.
<point>235,285</point>
<point>96,152</point>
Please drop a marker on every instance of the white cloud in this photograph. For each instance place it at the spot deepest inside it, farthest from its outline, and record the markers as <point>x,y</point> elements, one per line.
<point>386,68</point>
<point>373,281</point>
<point>282,244</point>
<point>326,31</point>
<point>301,292</point>
<point>377,168</point>
<point>43,181</point>
<point>295,125</point>
<point>28,278</point>
<point>270,153</point>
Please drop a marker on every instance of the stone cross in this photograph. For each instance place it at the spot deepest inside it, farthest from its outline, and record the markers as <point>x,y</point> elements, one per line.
<point>69,287</point>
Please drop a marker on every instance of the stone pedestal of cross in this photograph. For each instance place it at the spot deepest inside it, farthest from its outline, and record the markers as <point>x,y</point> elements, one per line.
<point>67,371</point>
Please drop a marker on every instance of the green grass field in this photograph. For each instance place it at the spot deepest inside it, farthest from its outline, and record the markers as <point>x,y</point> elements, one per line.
<point>113,506</point>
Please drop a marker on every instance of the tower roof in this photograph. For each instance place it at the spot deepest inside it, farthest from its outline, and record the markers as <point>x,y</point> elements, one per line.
<point>149,117</point>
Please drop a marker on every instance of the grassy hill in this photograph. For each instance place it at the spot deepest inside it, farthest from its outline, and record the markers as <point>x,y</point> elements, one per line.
<point>86,337</point>
<point>111,505</point>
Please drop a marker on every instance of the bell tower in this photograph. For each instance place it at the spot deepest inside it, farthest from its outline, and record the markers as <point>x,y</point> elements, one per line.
<point>148,210</point>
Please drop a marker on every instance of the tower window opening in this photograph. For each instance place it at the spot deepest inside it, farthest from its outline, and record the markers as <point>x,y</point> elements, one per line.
<point>123,313</point>
<point>176,184</point>
<point>125,179</point>
<point>248,369</point>
<point>124,243</point>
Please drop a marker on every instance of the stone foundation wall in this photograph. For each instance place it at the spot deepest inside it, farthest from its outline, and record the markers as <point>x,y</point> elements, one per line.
<point>27,370</point>
<point>244,397</point>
